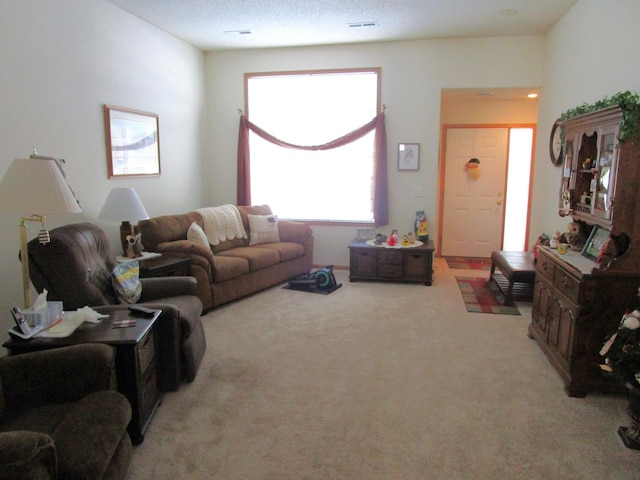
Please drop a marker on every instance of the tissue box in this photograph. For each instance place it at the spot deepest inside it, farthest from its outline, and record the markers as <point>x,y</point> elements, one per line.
<point>44,316</point>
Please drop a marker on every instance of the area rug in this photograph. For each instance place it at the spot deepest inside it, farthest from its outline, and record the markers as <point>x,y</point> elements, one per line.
<point>482,297</point>
<point>467,263</point>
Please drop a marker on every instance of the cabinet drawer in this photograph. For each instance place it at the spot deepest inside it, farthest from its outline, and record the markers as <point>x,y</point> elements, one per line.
<point>149,393</point>
<point>146,352</point>
<point>567,284</point>
<point>390,271</point>
<point>389,257</point>
<point>416,266</point>
<point>545,267</point>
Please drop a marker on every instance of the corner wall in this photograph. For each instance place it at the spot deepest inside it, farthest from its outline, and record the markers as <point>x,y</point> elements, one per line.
<point>591,53</point>
<point>61,61</point>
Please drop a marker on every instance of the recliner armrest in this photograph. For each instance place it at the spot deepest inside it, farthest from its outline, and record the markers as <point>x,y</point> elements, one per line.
<point>158,288</point>
<point>59,375</point>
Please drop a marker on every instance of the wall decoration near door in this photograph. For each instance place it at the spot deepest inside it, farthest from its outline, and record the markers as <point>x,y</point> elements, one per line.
<point>133,142</point>
<point>408,156</point>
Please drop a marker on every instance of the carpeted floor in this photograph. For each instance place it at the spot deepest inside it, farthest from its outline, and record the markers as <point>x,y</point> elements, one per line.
<point>466,263</point>
<point>481,296</point>
<point>378,381</point>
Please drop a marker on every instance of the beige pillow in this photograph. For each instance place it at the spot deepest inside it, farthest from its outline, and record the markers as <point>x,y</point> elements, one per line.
<point>263,229</point>
<point>196,234</point>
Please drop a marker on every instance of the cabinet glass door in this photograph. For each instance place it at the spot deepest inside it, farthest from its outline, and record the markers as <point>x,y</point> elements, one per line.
<point>606,167</point>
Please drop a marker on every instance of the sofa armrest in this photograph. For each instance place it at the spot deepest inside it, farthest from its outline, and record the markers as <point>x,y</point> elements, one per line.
<point>290,231</point>
<point>29,455</point>
<point>60,375</point>
<point>200,255</point>
<point>158,288</point>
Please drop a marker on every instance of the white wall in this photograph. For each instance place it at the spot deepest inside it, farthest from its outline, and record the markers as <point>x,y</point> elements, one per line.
<point>591,53</point>
<point>61,60</point>
<point>413,74</point>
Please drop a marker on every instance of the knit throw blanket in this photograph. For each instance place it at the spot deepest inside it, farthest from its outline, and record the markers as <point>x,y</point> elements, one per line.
<point>222,223</point>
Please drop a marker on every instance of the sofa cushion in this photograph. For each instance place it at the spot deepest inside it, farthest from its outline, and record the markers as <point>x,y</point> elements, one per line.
<point>286,250</point>
<point>245,211</point>
<point>228,267</point>
<point>196,234</point>
<point>257,257</point>
<point>263,229</point>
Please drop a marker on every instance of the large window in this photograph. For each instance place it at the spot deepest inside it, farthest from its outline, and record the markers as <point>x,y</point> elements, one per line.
<point>312,109</point>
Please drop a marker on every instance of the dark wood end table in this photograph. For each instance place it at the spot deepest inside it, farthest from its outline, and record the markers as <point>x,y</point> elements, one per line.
<point>164,266</point>
<point>137,365</point>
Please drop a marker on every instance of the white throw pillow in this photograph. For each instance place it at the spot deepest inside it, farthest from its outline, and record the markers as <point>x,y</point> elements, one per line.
<point>263,229</point>
<point>196,234</point>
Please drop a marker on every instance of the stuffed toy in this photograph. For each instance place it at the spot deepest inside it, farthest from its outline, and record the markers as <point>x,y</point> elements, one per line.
<point>421,226</point>
<point>576,235</point>
<point>615,246</point>
<point>134,246</point>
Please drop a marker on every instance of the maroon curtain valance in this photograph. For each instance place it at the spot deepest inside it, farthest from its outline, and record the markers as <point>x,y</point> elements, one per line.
<point>380,198</point>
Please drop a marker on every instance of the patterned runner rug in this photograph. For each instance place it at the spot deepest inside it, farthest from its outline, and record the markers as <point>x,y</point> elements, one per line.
<point>466,263</point>
<point>482,297</point>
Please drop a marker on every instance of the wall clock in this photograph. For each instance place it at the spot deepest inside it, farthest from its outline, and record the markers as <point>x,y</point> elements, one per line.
<point>555,143</point>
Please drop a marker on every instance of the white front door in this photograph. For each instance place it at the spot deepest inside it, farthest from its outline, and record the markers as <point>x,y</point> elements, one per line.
<point>473,209</point>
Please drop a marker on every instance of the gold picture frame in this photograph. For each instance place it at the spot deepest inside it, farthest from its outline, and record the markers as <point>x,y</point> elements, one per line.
<point>133,142</point>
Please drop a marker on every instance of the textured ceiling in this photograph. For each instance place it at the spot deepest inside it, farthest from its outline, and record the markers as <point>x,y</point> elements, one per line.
<point>287,23</point>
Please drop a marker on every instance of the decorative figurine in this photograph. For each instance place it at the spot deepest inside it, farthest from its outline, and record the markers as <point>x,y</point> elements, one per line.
<point>421,226</point>
<point>405,240</point>
<point>411,237</point>
<point>394,238</point>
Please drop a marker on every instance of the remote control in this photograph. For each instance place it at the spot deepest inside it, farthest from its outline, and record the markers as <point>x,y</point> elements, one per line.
<point>144,311</point>
<point>22,324</point>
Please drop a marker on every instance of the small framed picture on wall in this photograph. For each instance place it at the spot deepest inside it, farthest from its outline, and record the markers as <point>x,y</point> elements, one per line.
<point>408,156</point>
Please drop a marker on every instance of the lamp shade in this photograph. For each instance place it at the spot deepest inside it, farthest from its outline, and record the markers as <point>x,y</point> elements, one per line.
<point>123,204</point>
<point>36,185</point>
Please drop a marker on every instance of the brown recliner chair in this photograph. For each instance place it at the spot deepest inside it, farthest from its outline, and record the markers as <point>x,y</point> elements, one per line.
<point>75,268</point>
<point>61,417</point>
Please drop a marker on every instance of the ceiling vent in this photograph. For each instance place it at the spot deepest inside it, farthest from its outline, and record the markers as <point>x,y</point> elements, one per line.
<point>362,24</point>
<point>237,32</point>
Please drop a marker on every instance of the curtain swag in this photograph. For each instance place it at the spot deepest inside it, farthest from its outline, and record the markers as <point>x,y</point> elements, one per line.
<point>380,197</point>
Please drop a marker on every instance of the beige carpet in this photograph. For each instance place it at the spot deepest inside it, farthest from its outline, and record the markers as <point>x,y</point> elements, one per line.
<point>378,381</point>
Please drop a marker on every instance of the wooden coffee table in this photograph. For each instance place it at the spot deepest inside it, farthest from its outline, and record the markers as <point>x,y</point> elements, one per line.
<point>406,264</point>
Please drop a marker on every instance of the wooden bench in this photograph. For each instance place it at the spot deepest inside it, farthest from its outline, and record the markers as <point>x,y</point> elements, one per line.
<point>516,268</point>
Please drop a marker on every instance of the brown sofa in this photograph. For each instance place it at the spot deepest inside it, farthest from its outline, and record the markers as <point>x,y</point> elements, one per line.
<point>232,269</point>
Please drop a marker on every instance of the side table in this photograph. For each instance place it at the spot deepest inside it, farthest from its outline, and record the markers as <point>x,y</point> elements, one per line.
<point>136,359</point>
<point>164,266</point>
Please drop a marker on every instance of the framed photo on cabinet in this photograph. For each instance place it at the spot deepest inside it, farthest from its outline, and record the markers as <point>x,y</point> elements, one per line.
<point>408,156</point>
<point>133,142</point>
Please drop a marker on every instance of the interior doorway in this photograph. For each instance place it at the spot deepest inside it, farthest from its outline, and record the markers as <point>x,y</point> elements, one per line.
<point>485,207</point>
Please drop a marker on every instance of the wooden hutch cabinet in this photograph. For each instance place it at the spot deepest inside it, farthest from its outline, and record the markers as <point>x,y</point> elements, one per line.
<point>577,302</point>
